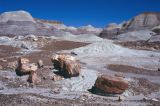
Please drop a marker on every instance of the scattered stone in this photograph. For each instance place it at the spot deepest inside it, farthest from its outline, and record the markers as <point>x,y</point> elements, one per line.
<point>7,77</point>
<point>56,91</point>
<point>33,78</point>
<point>120,98</point>
<point>56,78</point>
<point>24,67</point>
<point>110,84</point>
<point>27,84</point>
<point>73,53</point>
<point>12,65</point>
<point>66,64</point>
<point>32,37</point>
<point>40,64</point>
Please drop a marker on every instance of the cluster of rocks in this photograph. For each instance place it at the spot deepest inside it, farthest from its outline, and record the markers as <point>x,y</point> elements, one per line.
<point>67,66</point>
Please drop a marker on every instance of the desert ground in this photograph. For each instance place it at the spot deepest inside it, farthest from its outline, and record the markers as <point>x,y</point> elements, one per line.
<point>135,61</point>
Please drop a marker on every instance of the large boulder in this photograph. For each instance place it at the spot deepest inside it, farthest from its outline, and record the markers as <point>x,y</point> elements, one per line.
<point>24,67</point>
<point>66,64</point>
<point>110,84</point>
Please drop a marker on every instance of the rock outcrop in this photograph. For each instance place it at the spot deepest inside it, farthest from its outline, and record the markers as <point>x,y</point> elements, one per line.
<point>110,31</point>
<point>110,84</point>
<point>66,64</point>
<point>16,16</point>
<point>144,21</point>
<point>22,23</point>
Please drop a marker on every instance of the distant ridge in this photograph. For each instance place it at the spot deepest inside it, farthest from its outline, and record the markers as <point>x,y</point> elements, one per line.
<point>146,20</point>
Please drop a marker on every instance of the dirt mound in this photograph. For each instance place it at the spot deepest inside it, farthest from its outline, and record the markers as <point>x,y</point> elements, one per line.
<point>107,48</point>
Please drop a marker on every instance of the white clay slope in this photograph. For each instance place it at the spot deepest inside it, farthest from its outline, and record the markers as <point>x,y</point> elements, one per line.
<point>107,48</point>
<point>16,16</point>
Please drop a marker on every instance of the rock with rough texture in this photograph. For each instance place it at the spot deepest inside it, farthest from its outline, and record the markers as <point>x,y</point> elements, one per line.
<point>110,84</point>
<point>33,78</point>
<point>67,64</point>
<point>12,65</point>
<point>56,78</point>
<point>24,67</point>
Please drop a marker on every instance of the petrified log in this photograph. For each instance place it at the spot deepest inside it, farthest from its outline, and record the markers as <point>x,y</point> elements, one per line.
<point>24,67</point>
<point>110,84</point>
<point>67,65</point>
